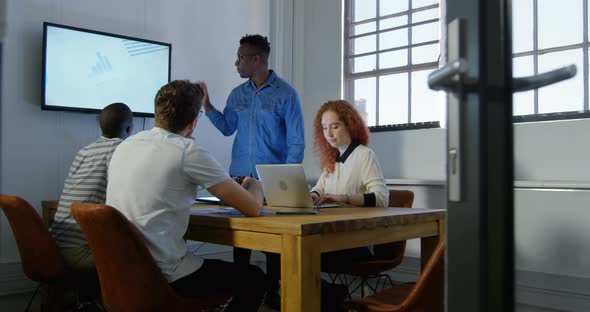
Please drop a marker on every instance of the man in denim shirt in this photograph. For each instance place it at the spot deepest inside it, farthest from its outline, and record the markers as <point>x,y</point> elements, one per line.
<point>266,112</point>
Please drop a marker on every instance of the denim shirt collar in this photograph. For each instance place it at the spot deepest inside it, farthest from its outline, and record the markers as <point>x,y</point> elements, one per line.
<point>270,81</point>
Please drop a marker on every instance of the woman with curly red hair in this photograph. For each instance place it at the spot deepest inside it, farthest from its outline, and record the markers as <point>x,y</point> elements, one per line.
<point>351,173</point>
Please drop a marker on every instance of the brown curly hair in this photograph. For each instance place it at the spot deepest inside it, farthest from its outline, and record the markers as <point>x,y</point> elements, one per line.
<point>177,104</point>
<point>352,120</point>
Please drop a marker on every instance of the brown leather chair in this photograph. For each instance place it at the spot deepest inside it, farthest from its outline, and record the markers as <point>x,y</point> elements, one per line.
<point>385,256</point>
<point>426,295</point>
<point>41,259</point>
<point>129,278</point>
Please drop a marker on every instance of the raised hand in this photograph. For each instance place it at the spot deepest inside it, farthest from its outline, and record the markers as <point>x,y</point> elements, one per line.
<point>206,102</point>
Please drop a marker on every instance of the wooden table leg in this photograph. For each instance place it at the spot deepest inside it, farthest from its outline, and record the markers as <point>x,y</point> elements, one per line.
<point>300,273</point>
<point>428,244</point>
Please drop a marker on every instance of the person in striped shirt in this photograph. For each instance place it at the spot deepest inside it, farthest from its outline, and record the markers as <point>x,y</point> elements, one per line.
<point>87,183</point>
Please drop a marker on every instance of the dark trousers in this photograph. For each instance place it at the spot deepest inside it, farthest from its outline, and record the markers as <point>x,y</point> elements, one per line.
<point>246,283</point>
<point>273,265</point>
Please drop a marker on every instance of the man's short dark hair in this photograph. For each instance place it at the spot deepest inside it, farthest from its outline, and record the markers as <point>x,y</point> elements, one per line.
<point>258,41</point>
<point>177,104</point>
<point>114,119</point>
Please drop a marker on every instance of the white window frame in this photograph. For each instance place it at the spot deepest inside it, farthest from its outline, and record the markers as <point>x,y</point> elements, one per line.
<point>349,77</point>
<point>536,52</point>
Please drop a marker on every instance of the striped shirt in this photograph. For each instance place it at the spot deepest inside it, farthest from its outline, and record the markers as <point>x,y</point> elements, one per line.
<point>86,183</point>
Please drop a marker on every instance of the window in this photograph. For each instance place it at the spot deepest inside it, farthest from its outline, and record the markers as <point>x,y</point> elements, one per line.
<point>390,48</point>
<point>546,35</point>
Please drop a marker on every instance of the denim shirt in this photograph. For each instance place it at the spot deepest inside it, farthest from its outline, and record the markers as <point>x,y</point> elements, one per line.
<point>269,124</point>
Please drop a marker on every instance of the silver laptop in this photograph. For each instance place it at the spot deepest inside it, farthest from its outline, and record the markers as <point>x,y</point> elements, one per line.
<point>285,187</point>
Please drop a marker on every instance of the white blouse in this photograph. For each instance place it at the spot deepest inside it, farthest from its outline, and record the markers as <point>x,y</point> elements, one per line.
<point>359,173</point>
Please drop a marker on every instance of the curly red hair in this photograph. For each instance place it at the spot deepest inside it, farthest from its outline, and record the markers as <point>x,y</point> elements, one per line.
<point>354,124</point>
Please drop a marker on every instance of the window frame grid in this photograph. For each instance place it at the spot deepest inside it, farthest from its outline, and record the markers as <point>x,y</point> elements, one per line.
<point>350,77</point>
<point>536,52</point>
<point>348,54</point>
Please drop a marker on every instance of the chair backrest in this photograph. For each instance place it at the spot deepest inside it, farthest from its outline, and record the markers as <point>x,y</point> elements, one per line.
<point>401,198</point>
<point>429,292</point>
<point>395,251</point>
<point>40,256</point>
<point>129,278</point>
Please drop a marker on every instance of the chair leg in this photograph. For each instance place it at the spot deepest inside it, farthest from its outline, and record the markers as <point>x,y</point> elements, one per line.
<point>388,278</point>
<point>381,281</point>
<point>333,277</point>
<point>349,286</point>
<point>363,283</point>
<point>349,283</point>
<point>32,297</point>
<point>380,284</point>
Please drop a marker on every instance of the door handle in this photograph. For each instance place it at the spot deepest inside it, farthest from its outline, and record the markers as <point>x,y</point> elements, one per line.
<point>450,78</point>
<point>453,79</point>
<point>542,80</point>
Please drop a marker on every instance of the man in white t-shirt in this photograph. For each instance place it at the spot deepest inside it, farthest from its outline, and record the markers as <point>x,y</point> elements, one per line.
<point>153,180</point>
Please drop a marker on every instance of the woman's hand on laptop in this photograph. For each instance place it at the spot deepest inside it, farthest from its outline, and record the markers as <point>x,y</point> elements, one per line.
<point>314,196</point>
<point>328,199</point>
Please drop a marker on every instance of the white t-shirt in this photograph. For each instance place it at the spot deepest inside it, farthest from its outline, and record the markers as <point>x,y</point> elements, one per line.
<point>153,180</point>
<point>358,173</point>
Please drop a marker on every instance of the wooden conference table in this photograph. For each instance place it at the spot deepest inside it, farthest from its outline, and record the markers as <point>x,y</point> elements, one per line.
<point>301,238</point>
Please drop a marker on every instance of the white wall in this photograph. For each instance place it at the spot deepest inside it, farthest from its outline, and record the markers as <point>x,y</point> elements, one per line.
<point>38,146</point>
<point>549,224</point>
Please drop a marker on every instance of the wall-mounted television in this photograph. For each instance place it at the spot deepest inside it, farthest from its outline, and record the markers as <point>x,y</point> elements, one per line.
<point>85,70</point>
